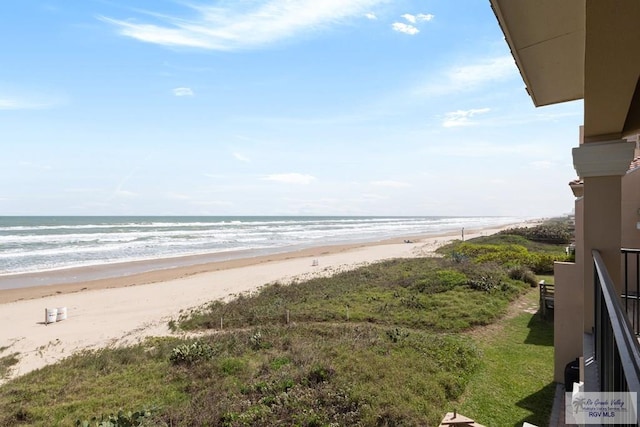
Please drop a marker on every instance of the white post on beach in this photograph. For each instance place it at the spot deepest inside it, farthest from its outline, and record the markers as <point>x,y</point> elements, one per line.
<point>287,317</point>
<point>463,234</point>
<point>220,322</point>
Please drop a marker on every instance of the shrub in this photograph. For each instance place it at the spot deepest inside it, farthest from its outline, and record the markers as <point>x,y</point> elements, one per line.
<point>122,419</point>
<point>555,232</point>
<point>511,256</point>
<point>441,281</point>
<point>191,353</point>
<point>485,277</point>
<point>395,335</point>
<point>319,374</point>
<point>543,263</point>
<point>507,255</point>
<point>524,274</point>
<point>257,342</point>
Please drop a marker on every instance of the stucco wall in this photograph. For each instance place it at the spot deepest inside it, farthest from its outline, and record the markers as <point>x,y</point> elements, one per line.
<point>569,302</point>
<point>568,315</point>
<point>631,209</point>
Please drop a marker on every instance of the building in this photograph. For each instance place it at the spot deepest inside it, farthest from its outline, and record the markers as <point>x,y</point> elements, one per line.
<point>590,49</point>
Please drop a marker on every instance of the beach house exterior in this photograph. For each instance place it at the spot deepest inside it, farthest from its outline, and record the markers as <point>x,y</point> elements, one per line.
<point>590,50</point>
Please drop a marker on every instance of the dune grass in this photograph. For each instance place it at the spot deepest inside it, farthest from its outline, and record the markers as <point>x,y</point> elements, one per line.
<point>431,293</point>
<point>6,362</point>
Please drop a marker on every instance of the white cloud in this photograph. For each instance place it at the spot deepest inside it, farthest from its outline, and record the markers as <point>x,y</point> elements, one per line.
<point>405,28</point>
<point>421,17</point>
<point>409,17</point>
<point>391,184</point>
<point>471,76</point>
<point>425,17</point>
<point>491,69</point>
<point>243,25</point>
<point>371,15</point>
<point>462,117</point>
<point>241,157</point>
<point>290,178</point>
<point>183,91</point>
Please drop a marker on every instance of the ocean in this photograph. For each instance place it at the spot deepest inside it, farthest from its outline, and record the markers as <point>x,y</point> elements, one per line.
<point>43,244</point>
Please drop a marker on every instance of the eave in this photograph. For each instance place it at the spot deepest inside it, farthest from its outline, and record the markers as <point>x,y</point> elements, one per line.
<point>546,38</point>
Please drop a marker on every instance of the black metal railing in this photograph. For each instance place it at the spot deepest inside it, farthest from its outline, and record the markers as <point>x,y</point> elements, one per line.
<point>631,293</point>
<point>616,347</point>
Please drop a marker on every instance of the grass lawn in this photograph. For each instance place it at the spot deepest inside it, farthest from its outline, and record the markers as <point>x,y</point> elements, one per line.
<point>515,380</point>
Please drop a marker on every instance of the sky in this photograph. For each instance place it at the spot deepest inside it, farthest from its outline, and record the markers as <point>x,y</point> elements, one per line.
<point>273,107</point>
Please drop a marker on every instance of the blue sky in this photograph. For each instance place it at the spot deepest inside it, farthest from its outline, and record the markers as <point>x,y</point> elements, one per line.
<point>272,107</point>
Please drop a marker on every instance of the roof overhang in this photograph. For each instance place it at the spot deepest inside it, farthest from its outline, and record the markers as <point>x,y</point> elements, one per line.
<point>547,41</point>
<point>578,49</point>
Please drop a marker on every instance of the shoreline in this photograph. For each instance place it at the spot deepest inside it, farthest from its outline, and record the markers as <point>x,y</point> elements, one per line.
<point>71,280</point>
<point>126,310</point>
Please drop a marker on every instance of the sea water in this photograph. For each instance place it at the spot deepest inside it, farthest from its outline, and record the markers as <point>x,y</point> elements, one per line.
<point>41,244</point>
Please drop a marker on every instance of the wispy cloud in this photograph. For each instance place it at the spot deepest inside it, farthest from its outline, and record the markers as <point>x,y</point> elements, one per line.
<point>290,178</point>
<point>425,17</point>
<point>412,20</point>
<point>371,15</point>
<point>421,17</point>
<point>401,27</point>
<point>183,91</point>
<point>470,76</point>
<point>24,104</point>
<point>241,157</point>
<point>243,25</point>
<point>462,117</point>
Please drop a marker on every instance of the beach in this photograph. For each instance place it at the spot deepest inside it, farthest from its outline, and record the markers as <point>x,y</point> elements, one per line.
<point>125,310</point>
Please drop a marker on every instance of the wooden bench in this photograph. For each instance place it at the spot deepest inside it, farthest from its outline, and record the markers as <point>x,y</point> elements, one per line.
<point>547,294</point>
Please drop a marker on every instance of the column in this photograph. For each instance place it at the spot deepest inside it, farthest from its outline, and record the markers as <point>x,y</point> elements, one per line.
<point>601,165</point>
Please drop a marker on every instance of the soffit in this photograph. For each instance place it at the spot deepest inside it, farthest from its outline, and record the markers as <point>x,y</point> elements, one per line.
<point>546,38</point>
<point>612,64</point>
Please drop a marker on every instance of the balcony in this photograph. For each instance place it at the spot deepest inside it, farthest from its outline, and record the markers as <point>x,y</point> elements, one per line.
<point>615,346</point>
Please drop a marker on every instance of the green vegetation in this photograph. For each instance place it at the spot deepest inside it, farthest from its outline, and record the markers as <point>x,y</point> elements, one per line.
<point>556,231</point>
<point>6,362</point>
<point>535,248</point>
<point>514,383</point>
<point>433,293</point>
<point>393,343</point>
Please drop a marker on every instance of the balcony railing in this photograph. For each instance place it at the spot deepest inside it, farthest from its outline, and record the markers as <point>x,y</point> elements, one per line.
<point>616,348</point>
<point>631,294</point>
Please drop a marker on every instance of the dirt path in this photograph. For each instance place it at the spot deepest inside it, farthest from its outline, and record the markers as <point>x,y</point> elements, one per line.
<point>526,303</point>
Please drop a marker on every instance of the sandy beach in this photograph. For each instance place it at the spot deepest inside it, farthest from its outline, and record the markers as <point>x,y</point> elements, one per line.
<point>126,310</point>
